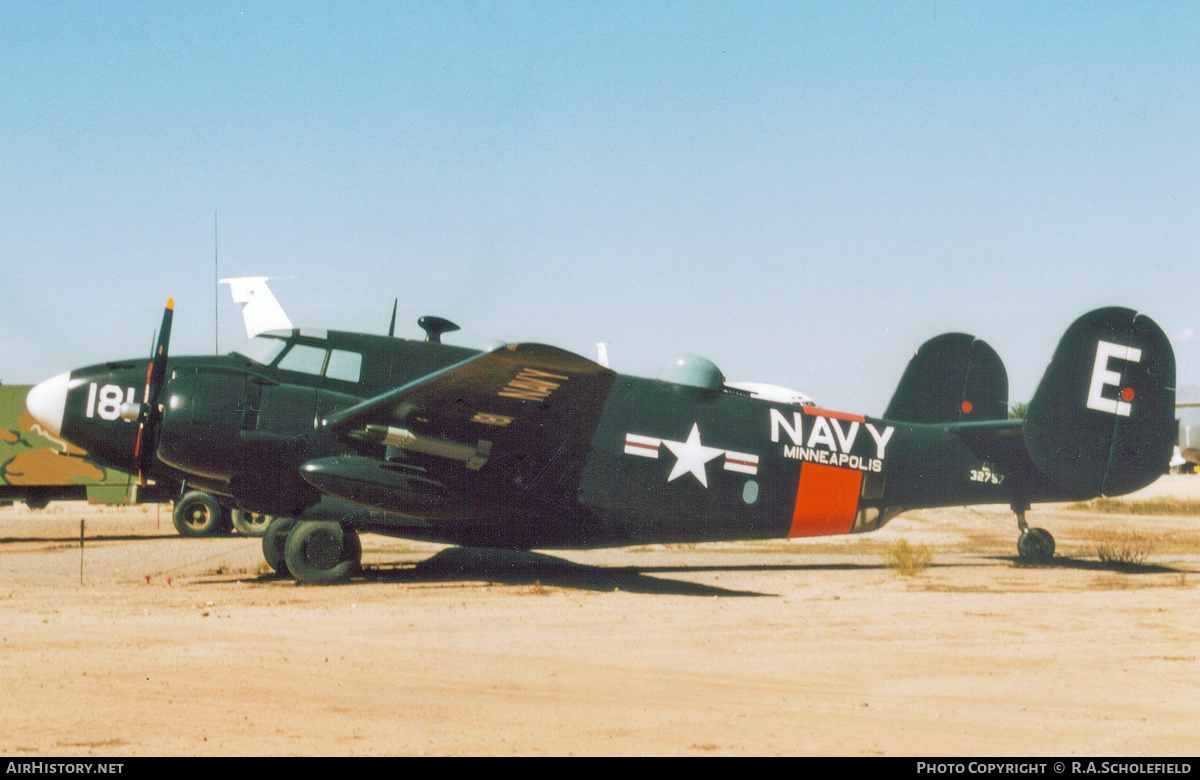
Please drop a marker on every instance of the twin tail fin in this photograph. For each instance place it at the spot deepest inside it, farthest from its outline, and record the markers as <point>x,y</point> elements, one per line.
<point>1102,421</point>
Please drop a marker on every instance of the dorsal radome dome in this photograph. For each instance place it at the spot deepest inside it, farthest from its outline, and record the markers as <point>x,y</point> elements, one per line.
<point>692,370</point>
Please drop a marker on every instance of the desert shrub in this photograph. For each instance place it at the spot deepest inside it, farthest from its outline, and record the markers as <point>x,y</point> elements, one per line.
<point>907,559</point>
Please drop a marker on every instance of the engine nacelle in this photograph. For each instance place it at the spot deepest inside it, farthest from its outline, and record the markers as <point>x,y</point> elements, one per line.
<point>250,434</point>
<point>203,418</point>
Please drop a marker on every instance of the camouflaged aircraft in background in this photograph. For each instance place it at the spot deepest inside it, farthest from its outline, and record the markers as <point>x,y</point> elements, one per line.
<point>527,446</point>
<point>38,467</point>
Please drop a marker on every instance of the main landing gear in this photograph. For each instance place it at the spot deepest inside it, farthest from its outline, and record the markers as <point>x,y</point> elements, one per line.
<point>1034,545</point>
<point>320,552</point>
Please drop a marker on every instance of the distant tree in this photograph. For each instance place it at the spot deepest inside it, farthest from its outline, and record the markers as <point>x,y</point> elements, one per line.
<point>1017,411</point>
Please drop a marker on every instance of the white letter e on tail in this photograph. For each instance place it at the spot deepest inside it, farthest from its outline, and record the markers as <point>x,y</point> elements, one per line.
<point>1101,376</point>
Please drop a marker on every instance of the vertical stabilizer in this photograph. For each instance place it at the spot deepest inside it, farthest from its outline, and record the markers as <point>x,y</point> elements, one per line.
<point>1102,421</point>
<point>260,311</point>
<point>952,378</point>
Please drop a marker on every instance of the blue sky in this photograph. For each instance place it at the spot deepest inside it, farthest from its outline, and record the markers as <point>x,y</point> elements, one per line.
<point>801,192</point>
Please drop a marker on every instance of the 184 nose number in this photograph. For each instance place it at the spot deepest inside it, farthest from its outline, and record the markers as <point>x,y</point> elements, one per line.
<point>105,402</point>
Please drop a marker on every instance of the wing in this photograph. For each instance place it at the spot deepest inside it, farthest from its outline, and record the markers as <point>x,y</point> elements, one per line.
<point>518,418</point>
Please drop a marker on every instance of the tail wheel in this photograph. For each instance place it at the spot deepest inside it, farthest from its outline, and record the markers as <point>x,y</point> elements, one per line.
<point>1035,545</point>
<point>274,539</point>
<point>198,514</point>
<point>323,552</point>
<point>250,523</point>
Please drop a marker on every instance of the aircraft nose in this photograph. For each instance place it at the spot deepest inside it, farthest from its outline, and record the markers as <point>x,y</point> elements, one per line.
<point>47,401</point>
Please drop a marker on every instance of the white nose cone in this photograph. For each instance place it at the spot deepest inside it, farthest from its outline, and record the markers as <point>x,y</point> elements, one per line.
<point>47,401</point>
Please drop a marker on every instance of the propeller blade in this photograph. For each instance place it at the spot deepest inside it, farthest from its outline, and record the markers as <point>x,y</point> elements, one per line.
<point>156,374</point>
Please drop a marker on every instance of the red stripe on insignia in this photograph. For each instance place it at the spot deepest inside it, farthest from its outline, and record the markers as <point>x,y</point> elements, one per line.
<point>826,500</point>
<point>741,463</point>
<point>642,446</point>
<point>816,411</point>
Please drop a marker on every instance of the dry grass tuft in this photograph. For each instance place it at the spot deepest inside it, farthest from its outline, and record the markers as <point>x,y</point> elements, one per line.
<point>1125,548</point>
<point>536,589</point>
<point>1164,505</point>
<point>909,560</point>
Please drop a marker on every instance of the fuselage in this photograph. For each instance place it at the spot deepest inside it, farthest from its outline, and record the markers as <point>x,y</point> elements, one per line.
<point>664,462</point>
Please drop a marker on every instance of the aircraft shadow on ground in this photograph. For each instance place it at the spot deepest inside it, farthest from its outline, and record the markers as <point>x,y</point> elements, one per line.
<point>510,567</point>
<point>1061,562</point>
<point>513,567</point>
<point>87,539</point>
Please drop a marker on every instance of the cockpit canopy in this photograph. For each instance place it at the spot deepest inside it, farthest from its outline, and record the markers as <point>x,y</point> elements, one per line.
<point>303,351</point>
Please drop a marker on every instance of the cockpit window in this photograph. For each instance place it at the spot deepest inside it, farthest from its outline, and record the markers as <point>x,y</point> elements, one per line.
<point>344,365</point>
<point>340,364</point>
<point>261,349</point>
<point>304,359</point>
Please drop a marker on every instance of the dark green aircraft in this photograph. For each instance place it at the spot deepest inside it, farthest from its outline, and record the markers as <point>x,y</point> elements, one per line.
<point>529,446</point>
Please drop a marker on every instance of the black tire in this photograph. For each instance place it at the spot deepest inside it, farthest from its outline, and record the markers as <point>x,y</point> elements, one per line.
<point>1035,545</point>
<point>250,523</point>
<point>274,539</point>
<point>322,552</point>
<point>198,514</point>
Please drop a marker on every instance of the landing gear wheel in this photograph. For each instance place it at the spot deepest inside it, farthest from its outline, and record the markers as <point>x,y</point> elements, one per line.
<point>274,539</point>
<point>1035,545</point>
<point>198,514</point>
<point>322,552</point>
<point>250,523</point>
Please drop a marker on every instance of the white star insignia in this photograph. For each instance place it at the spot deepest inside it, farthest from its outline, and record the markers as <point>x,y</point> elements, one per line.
<point>692,456</point>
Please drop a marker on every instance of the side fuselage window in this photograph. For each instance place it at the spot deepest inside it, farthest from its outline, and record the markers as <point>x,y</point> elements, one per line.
<point>344,365</point>
<point>304,359</point>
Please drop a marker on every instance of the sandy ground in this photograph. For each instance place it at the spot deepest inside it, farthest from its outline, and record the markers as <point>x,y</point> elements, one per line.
<point>148,644</point>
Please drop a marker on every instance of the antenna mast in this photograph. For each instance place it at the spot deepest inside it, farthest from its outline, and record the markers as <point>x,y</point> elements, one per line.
<point>216,292</point>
